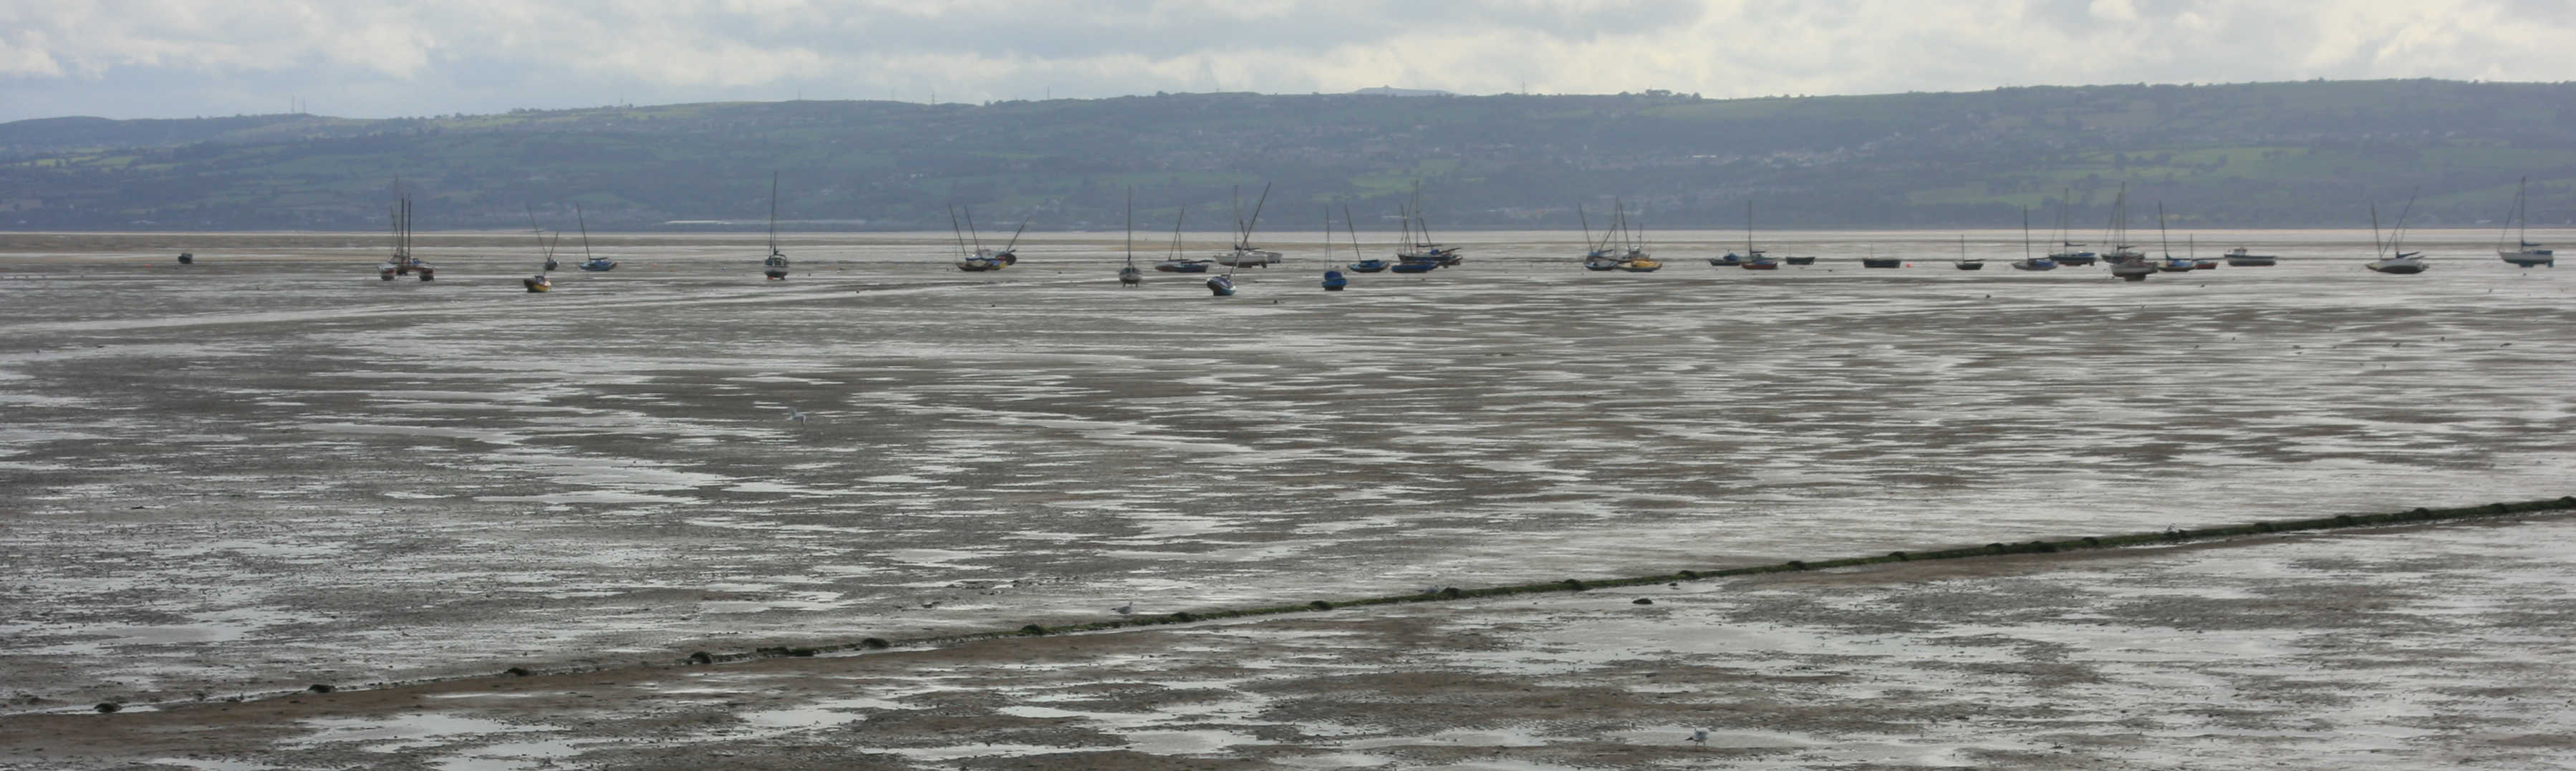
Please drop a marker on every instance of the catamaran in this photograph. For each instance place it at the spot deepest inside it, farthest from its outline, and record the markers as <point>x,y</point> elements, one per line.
<point>1242,252</point>
<point>2523,253</point>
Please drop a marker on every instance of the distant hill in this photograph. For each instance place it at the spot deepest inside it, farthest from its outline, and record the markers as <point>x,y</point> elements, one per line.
<point>1393,91</point>
<point>2268,154</point>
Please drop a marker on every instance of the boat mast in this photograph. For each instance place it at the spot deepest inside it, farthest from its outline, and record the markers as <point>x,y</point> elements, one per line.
<point>1244,241</point>
<point>2025,234</point>
<point>773,214</point>
<point>1748,228</point>
<point>585,232</point>
<point>959,232</point>
<point>1355,233</point>
<point>1131,226</point>
<point>1589,245</point>
<point>2162,243</point>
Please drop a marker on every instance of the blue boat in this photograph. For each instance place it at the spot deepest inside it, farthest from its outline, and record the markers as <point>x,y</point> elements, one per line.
<point>595,264</point>
<point>1220,286</point>
<point>1368,266</point>
<point>1334,280</point>
<point>1414,266</point>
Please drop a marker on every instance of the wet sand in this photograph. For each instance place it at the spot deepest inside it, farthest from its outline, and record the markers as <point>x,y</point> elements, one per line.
<point>269,470</point>
<point>2401,648</point>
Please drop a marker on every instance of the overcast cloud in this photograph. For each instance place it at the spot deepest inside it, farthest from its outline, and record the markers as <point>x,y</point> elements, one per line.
<point>182,58</point>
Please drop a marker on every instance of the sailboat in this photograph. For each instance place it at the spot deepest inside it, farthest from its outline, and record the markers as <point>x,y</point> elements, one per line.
<point>775,266</point>
<point>1752,259</point>
<point>542,282</point>
<point>1334,281</point>
<point>2170,264</point>
<point>404,263</point>
<point>1964,263</point>
<point>1361,262</point>
<point>2399,263</point>
<point>1418,231</point>
<point>977,258</point>
<point>2127,263</point>
<point>2524,253</point>
<point>1632,256</point>
<point>542,243</point>
<point>589,262</point>
<point>2072,252</point>
<point>1222,285</point>
<point>1872,260</point>
<point>1242,252</point>
<point>1599,256</point>
<point>2241,257</point>
<point>1130,275</point>
<point>2028,262</point>
<point>2118,234</point>
<point>1173,262</point>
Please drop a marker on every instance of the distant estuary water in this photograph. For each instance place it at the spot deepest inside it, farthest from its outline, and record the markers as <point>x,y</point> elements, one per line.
<point>269,468</point>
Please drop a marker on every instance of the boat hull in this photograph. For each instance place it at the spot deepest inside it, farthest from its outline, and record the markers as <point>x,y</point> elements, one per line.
<point>1873,262</point>
<point>1802,260</point>
<point>2034,265</point>
<point>2251,262</point>
<point>1367,266</point>
<point>1220,287</point>
<point>2400,269</point>
<point>536,285</point>
<point>598,267</point>
<point>2072,259</point>
<point>1970,265</point>
<point>1414,267</point>
<point>1181,267</point>
<point>2540,258</point>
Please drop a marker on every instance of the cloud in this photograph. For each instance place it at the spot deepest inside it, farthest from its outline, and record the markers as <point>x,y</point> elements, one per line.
<point>138,58</point>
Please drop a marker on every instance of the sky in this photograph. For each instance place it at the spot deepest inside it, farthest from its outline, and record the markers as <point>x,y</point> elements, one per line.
<point>357,58</point>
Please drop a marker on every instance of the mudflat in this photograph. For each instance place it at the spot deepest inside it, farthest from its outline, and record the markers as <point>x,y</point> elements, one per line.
<point>269,470</point>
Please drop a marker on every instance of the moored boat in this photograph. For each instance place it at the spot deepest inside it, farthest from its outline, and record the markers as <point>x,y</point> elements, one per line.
<point>2522,253</point>
<point>775,265</point>
<point>537,283</point>
<point>2240,258</point>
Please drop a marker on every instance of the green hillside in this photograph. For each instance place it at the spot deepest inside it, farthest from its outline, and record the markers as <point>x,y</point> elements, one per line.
<point>2269,154</point>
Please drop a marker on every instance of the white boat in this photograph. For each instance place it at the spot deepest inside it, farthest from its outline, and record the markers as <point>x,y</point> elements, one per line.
<point>2523,252</point>
<point>1243,253</point>
<point>775,265</point>
<point>2397,262</point>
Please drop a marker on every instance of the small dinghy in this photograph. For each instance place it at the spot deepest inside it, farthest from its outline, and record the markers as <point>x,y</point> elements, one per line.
<point>1221,286</point>
<point>537,283</point>
<point>1334,280</point>
<point>187,259</point>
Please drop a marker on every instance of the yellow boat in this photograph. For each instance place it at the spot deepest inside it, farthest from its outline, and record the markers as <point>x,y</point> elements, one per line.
<point>1640,264</point>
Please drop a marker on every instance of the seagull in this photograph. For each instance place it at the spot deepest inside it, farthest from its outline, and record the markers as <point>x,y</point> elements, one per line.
<point>795,415</point>
<point>1126,609</point>
<point>1699,736</point>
